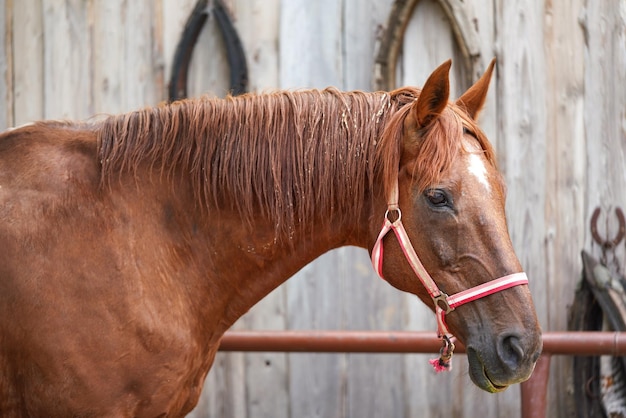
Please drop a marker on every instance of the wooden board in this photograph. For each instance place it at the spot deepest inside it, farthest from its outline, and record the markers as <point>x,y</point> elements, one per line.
<point>6,64</point>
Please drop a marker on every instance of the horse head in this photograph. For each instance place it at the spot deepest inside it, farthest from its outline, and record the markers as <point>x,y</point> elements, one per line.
<point>449,194</point>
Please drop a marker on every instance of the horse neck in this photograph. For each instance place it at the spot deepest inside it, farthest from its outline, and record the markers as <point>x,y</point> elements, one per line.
<point>251,261</point>
<point>270,183</point>
<point>257,244</point>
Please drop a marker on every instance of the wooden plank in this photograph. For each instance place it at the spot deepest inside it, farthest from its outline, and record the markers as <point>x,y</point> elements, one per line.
<point>158,57</point>
<point>132,78</point>
<point>310,44</point>
<point>28,94</point>
<point>108,81</point>
<point>481,14</point>
<point>67,59</point>
<point>317,381</point>
<point>257,23</point>
<point>604,116</point>
<point>139,72</point>
<point>428,42</point>
<point>375,383</point>
<point>362,21</point>
<point>266,374</point>
<point>6,64</point>
<point>565,175</point>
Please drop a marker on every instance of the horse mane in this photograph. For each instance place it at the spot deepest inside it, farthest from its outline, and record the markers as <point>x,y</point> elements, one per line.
<point>288,156</point>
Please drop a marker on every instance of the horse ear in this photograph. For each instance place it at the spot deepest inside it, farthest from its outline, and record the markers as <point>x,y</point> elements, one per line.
<point>434,96</point>
<point>474,98</point>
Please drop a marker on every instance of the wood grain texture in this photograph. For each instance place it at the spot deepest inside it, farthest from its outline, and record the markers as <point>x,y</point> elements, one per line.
<point>6,64</point>
<point>565,173</point>
<point>604,109</point>
<point>28,94</point>
<point>67,58</point>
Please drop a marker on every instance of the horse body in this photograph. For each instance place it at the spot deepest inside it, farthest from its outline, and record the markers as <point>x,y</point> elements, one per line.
<point>82,328</point>
<point>121,293</point>
<point>130,245</point>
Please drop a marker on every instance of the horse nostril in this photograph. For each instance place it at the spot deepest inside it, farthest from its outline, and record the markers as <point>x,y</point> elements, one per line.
<point>510,350</point>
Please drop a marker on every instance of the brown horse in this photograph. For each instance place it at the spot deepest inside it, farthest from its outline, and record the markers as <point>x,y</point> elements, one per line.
<point>129,245</point>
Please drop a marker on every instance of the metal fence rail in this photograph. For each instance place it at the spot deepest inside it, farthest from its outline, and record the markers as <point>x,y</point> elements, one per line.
<point>583,343</point>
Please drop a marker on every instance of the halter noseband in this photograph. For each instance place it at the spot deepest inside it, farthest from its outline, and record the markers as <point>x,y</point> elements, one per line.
<point>444,304</point>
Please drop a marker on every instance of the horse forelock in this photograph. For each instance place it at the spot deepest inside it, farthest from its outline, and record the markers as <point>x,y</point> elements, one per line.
<point>438,144</point>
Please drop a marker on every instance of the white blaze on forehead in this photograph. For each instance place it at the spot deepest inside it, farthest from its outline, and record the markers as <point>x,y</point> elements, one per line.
<point>476,167</point>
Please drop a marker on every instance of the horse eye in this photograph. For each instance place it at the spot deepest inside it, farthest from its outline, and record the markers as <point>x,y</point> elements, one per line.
<point>437,198</point>
<point>467,131</point>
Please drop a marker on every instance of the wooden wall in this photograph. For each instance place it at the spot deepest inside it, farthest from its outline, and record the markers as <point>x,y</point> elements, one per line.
<point>556,114</point>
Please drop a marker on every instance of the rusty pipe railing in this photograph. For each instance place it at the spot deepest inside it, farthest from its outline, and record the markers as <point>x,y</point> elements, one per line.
<point>582,343</point>
<point>589,343</point>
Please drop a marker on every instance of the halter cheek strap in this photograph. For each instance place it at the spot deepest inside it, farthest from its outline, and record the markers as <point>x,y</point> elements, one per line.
<point>444,304</point>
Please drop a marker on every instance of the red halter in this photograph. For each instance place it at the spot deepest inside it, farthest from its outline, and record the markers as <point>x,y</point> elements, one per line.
<point>444,304</point>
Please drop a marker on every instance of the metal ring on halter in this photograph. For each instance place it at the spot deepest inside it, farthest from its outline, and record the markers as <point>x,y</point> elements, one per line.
<point>389,211</point>
<point>442,301</point>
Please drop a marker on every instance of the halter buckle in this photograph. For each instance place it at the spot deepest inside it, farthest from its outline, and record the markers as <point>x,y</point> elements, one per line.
<point>441,301</point>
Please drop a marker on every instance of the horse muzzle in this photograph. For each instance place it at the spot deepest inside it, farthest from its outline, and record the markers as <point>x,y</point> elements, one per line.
<point>510,360</point>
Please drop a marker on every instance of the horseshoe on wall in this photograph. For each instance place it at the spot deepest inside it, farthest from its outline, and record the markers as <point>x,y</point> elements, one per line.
<point>606,243</point>
<point>177,88</point>
<point>391,41</point>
